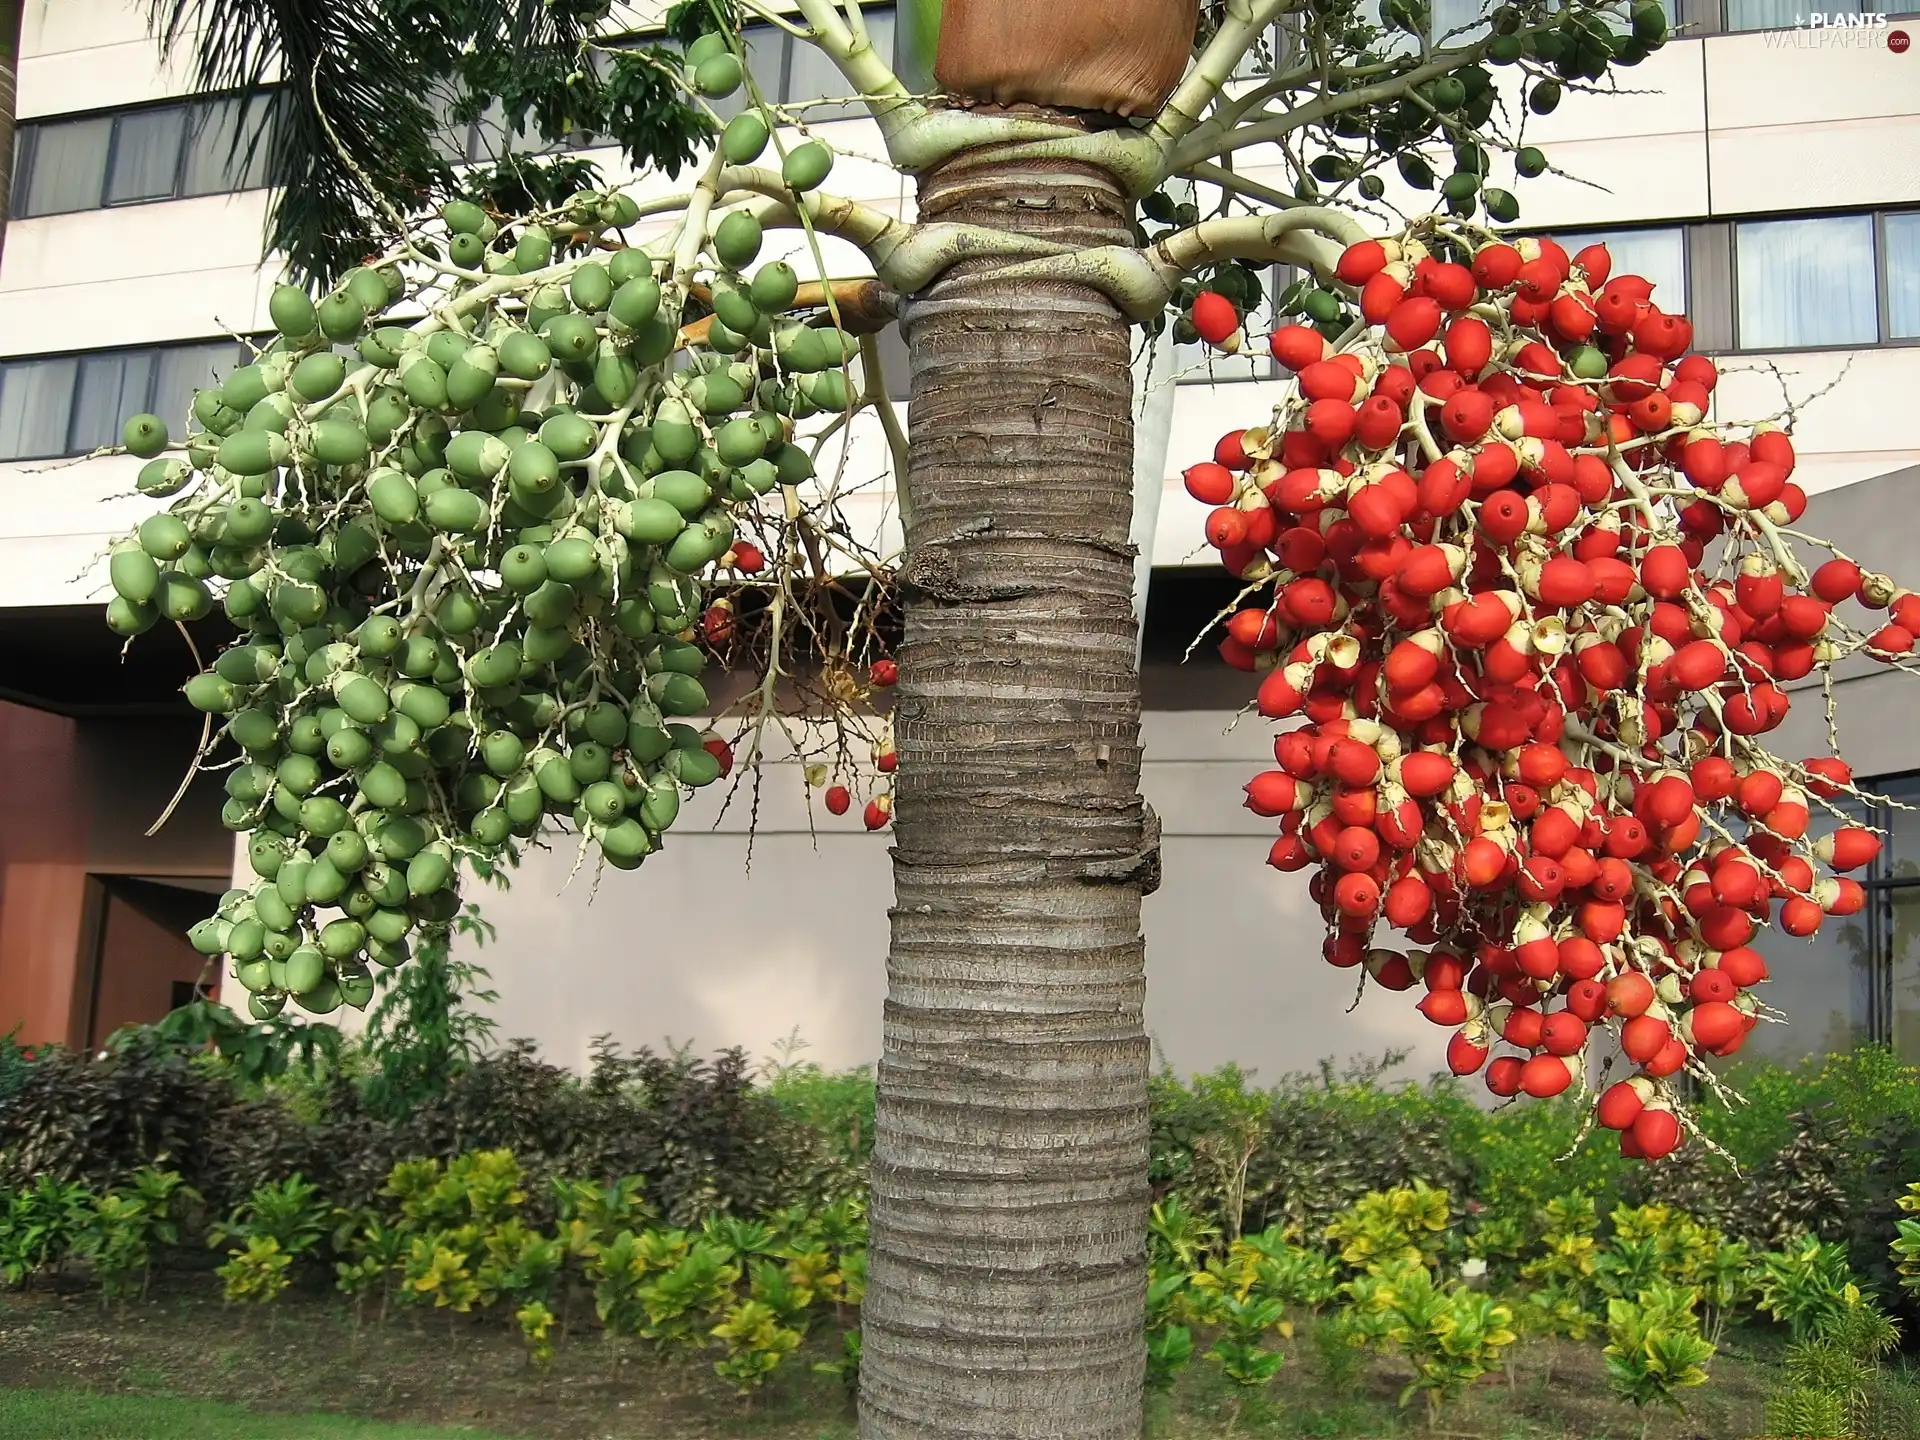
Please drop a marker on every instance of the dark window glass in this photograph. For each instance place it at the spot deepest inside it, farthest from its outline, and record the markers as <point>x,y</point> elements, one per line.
<point>146,155</point>
<point>1903,275</point>
<point>112,386</point>
<point>213,166</point>
<point>69,166</point>
<point>179,370</point>
<point>36,398</point>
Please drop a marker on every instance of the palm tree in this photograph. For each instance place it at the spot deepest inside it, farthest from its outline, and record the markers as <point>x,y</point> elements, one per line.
<point>368,89</point>
<point>12,16</point>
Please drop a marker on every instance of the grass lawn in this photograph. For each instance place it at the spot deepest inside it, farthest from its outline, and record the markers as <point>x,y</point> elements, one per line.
<point>78,1415</point>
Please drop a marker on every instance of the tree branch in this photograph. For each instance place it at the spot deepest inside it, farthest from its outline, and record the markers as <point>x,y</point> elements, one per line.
<point>1215,139</point>
<point>1141,282</point>
<point>1246,21</point>
<point>892,105</point>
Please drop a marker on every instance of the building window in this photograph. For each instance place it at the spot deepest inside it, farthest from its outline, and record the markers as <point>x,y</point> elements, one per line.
<point>1660,255</point>
<point>55,405</point>
<point>1804,283</point>
<point>157,152</point>
<point>1902,251</point>
<point>1859,978</point>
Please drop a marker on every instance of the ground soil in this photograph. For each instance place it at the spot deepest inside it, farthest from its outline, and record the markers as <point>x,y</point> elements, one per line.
<point>304,1354</point>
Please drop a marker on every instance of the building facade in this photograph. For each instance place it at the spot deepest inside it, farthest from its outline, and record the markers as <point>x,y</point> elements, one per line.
<point>1766,175</point>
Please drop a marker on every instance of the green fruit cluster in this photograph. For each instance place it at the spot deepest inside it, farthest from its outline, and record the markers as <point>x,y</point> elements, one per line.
<point>467,556</point>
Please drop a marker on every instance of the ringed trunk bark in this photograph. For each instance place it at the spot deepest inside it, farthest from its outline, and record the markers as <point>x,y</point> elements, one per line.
<point>1007,1278</point>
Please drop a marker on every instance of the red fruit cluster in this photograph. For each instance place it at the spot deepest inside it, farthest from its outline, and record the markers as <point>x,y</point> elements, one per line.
<point>1534,721</point>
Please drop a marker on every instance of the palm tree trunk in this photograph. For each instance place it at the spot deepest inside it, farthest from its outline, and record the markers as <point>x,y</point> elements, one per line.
<point>1007,1288</point>
<point>13,16</point>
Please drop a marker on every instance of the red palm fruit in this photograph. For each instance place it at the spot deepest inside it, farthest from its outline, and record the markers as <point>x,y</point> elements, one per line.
<point>1848,897</point>
<point>1664,572</point>
<point>1427,570</point>
<point>1331,422</point>
<point>1734,882</point>
<point>1469,345</point>
<point>1361,261</point>
<point>1352,762</point>
<point>1643,1036</point>
<point>1615,878</point>
<point>878,812</point>
<point>1602,921</point>
<point>1759,792</point>
<point>1697,370</point>
<point>1505,665</point>
<point>1495,464</point>
<point>1553,832</point>
<point>1330,380</point>
<point>1655,1134</point>
<point>1905,611</point>
<point>1704,462</point>
<point>1426,772</point>
<point>1344,951</point>
<point>1374,510</point>
<point>1538,958</point>
<point>1278,696</point>
<point>1300,549</point>
<point>1587,999</point>
<point>1496,265</point>
<point>1465,1055</point>
<point>1629,994</point>
<point>1711,1024</point>
<point>1413,322</point>
<point>1801,917</point>
<point>1288,854</point>
<point>1503,516</point>
<point>1355,849</point>
<point>1444,487</point>
<point>1773,447</point>
<point>1452,285</point>
<point>1272,792</point>
<point>1848,848</point>
<point>1789,819</point>
<point>1484,862</point>
<point>1758,587</point>
<point>1444,971</point>
<point>1616,310</point>
<point>1231,451</point>
<point>1357,894</point>
<point>1714,778</point>
<point>1580,868</point>
<point>1725,928</point>
<point>1541,878</point>
<point>1626,838</point>
<point>1377,424</point>
<point>1542,766</point>
<point>1545,1076</point>
<point>1651,413</point>
<point>1621,1104</point>
<point>1408,901</point>
<point>1226,526</point>
<point>1391,969</point>
<point>1209,483</point>
<point>838,799</point>
<point>1412,662</point>
<point>1571,316</point>
<point>1669,800</point>
<point>1744,966</point>
<point>1565,583</point>
<point>1309,601</point>
<point>1829,772</point>
<point>1214,317</point>
<point>1523,801</point>
<point>1239,655</point>
<point>884,674</point>
<point>1396,382</point>
<point>1444,1007</point>
<point>1804,617</point>
<point>1297,346</point>
<point>1595,263</point>
<point>1580,958</point>
<point>1539,280</point>
<point>1564,1033</point>
<point>1711,984</point>
<point>1254,628</point>
<point>1355,805</point>
<point>1698,665</point>
<point>1602,665</point>
<point>1504,1075</point>
<point>1467,415</point>
<point>1891,640</point>
<point>1380,297</point>
<point>748,559</point>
